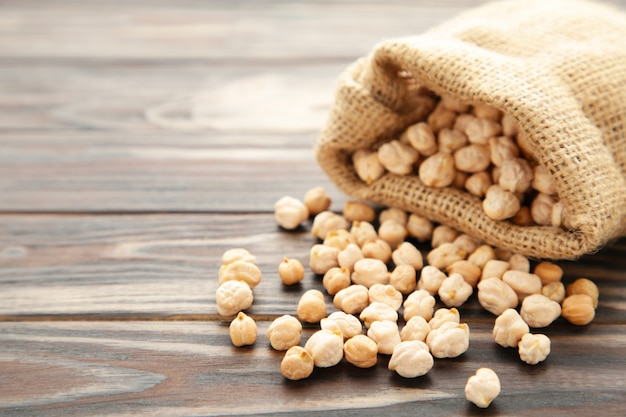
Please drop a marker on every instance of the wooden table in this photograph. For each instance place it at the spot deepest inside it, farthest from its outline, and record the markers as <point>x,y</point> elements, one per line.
<point>141,139</point>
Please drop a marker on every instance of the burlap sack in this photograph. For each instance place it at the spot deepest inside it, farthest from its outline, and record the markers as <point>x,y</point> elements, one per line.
<point>557,67</point>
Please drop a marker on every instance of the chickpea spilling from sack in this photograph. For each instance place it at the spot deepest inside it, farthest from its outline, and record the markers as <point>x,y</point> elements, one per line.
<point>477,149</point>
<point>385,294</point>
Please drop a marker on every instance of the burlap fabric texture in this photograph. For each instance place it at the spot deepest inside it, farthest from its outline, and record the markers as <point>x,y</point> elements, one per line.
<point>557,67</point>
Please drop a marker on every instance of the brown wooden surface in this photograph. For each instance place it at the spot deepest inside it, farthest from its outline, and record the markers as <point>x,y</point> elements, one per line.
<point>141,139</point>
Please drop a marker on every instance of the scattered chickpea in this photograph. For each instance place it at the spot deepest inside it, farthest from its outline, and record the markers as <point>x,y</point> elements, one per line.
<point>454,291</point>
<point>297,364</point>
<point>377,249</point>
<point>290,212</point>
<point>356,210</point>
<point>232,297</point>
<point>367,166</point>
<point>411,359</point>
<point>539,311</point>
<point>548,272</point>
<point>523,283</point>
<point>444,315</point>
<point>361,351</point>
<point>339,239</point>
<point>518,262</point>
<point>403,279</point>
<point>332,325</point>
<point>443,234</point>
<point>494,268</point>
<point>483,387</point>
<point>237,254</point>
<point>317,200</point>
<point>419,227</point>
<point>419,303</point>
<point>291,271</point>
<point>349,255</point>
<point>386,294</point>
<point>312,307</point>
<point>284,332</point>
<point>466,242</point>
<point>449,340</point>
<point>495,296</point>
<point>416,328</point>
<point>578,309</point>
<point>584,286</point>
<point>430,280</point>
<point>352,299</point>
<point>554,291</point>
<point>385,334</point>
<point>325,347</point>
<point>470,272</point>
<point>407,254</point>
<point>363,232</point>
<point>322,258</point>
<point>393,213</point>
<point>534,348</point>
<point>349,324</point>
<point>240,271</point>
<point>327,221</point>
<point>336,279</point>
<point>378,311</point>
<point>445,255</point>
<point>370,271</point>
<point>509,328</point>
<point>482,255</point>
<point>392,232</point>
<point>243,330</point>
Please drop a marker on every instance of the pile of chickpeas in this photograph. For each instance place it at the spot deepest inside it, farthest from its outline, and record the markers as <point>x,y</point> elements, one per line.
<point>475,148</point>
<point>385,291</point>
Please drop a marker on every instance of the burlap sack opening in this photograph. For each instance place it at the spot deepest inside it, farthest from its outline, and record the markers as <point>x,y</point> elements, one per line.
<point>557,67</point>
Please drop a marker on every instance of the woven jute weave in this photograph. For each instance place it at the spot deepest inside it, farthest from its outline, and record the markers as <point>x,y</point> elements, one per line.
<point>557,67</point>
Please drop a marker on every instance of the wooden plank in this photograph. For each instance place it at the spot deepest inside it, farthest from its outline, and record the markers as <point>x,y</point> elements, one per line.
<point>150,265</point>
<point>176,369</point>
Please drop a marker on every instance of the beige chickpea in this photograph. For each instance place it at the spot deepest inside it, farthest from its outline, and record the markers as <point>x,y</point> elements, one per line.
<point>509,328</point>
<point>291,271</point>
<point>336,279</point>
<point>558,214</point>
<point>584,286</point>
<point>327,221</point>
<point>430,279</point>
<point>416,328</point>
<point>397,157</point>
<point>496,296</point>
<point>466,242</point>
<point>449,340</point>
<point>322,258</point>
<point>361,351</point>
<point>357,210</point>
<point>392,232</point>
<point>367,166</point>
<point>243,330</point>
<point>541,209</point>
<point>482,255</point>
<point>477,184</point>
<point>523,217</point>
<point>403,278</point>
<point>525,145</point>
<point>352,299</point>
<point>459,180</point>
<point>386,294</point>
<point>393,213</point>
<point>548,272</point>
<point>317,200</point>
<point>325,347</point>
<point>487,111</point>
<point>480,129</point>
<point>284,332</point>
<point>407,254</point>
<point>482,387</point>
<point>327,324</point>
<point>422,138</point>
<point>419,303</point>
<point>441,118</point>
<point>411,359</point>
<point>370,271</point>
<point>363,232</point>
<point>509,125</point>
<point>470,272</point>
<point>443,234</point>
<point>534,348</point>
<point>555,291</point>
<point>516,175</point>
<point>494,268</point>
<point>539,311</point>
<point>339,239</point>
<point>463,121</point>
<point>523,283</point>
<point>437,170</point>
<point>237,254</point>
<point>419,227</point>
<point>454,291</point>
<point>578,309</point>
<point>240,271</point>
<point>451,140</point>
<point>349,255</point>
<point>502,148</point>
<point>377,311</point>
<point>444,315</point>
<point>297,364</point>
<point>500,204</point>
<point>454,104</point>
<point>312,307</point>
<point>290,212</point>
<point>519,262</point>
<point>349,324</point>
<point>232,297</point>
<point>445,255</point>
<point>543,180</point>
<point>472,158</point>
<point>385,334</point>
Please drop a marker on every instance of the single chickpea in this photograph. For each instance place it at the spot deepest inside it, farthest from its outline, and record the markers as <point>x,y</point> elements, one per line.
<point>454,291</point>
<point>539,311</point>
<point>339,239</point>
<point>459,180</point>
<point>237,254</point>
<point>407,254</point>
<point>411,359</point>
<point>451,140</point>
<point>403,278</point>
<point>502,148</point>
<point>363,232</point>
<point>518,262</point>
<point>284,332</point>
<point>317,200</point>
<point>311,307</point>
<point>462,121</point>
<point>466,242</point>
<point>516,175</point>
<point>584,286</point>
<point>444,315</point>
<point>370,271</point>
<point>445,255</point>
<point>441,118</point>
<point>443,234</point>
<point>243,330</point>
<point>392,232</point>
<point>554,291</point>
<point>543,180</point>
<point>419,227</point>
<point>558,214</point>
<point>478,183</point>
<point>534,348</point>
<point>548,272</point>
<point>480,129</point>
<point>327,221</point>
<point>336,279</point>
<point>385,334</point>
<point>482,255</point>
<point>290,212</point>
<point>361,351</point>
<point>541,209</point>
<point>422,138</point>
<point>503,254</point>
<point>240,271</point>
<point>352,299</point>
<point>356,210</point>
<point>430,280</point>
<point>472,158</point>
<point>386,294</point>
<point>509,328</point>
<point>325,347</point>
<point>349,255</point>
<point>322,258</point>
<point>397,157</point>
<point>437,170</point>
<point>416,328</point>
<point>578,309</point>
<point>496,296</point>
<point>495,268</point>
<point>327,324</point>
<point>483,387</point>
<point>523,283</point>
<point>449,340</point>
<point>454,104</point>
<point>297,364</point>
<point>233,297</point>
<point>367,166</point>
<point>378,311</point>
<point>419,303</point>
<point>525,146</point>
<point>509,125</point>
<point>291,271</point>
<point>523,217</point>
<point>393,213</point>
<point>470,272</point>
<point>500,204</point>
<point>349,324</point>
<point>486,111</point>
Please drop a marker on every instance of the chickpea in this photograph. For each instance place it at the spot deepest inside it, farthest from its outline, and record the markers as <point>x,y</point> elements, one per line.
<point>419,303</point>
<point>397,157</point>
<point>311,307</point>
<point>232,297</point>
<point>411,359</point>
<point>385,334</point>
<point>494,268</point>
<point>325,347</point>
<point>339,239</point>
<point>378,311</point>
<point>322,258</point>
<point>392,232</point>
<point>472,158</point>
<point>518,262</point>
<point>240,271</point>
<point>543,180</point>
<point>454,104</point>
<point>443,234</point>
<point>430,280</point>
<point>584,286</point>
<point>539,311</point>
<point>363,232</point>
<point>336,279</point>
<point>348,256</point>
<point>509,125</point>
<point>451,140</point>
<point>352,299</point>
<point>524,284</point>
<point>361,351</point>
<point>317,200</point>
<point>327,324</point>
<point>421,137</point>
<point>482,255</point>
<point>509,328</point>
<point>407,254</point>
<point>483,387</point>
<point>470,272</point>
<point>486,111</point>
<point>555,291</point>
<point>534,348</point>
<point>289,212</point>
<point>478,183</point>
<point>445,255</point>
<point>525,146</point>
<point>416,328</point>
<point>444,315</point>
<point>449,340</point>
<point>327,221</point>
<point>454,291</point>
<point>548,272</point>
<point>370,271</point>
<point>523,217</point>
<point>243,330</point>
<point>441,118</point>
<point>496,296</point>
<point>291,271</point>
<point>480,129</point>
<point>541,209</point>
<point>419,227</point>
<point>500,204</point>
<point>349,324</point>
<point>466,242</point>
<point>516,175</point>
<point>393,213</point>
<point>284,332</point>
<point>356,210</point>
<point>578,309</point>
<point>437,170</point>
<point>403,279</point>
<point>367,166</point>
<point>502,148</point>
<point>558,214</point>
<point>237,254</point>
<point>385,294</point>
<point>297,364</point>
